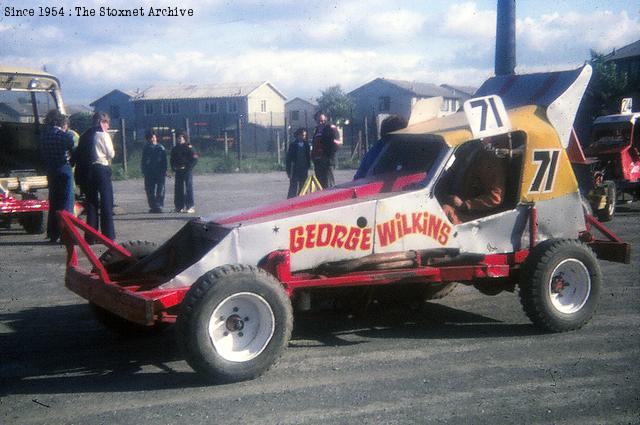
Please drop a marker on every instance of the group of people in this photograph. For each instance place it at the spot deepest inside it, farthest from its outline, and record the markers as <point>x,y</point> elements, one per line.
<point>322,152</point>
<point>92,159</point>
<point>154,168</point>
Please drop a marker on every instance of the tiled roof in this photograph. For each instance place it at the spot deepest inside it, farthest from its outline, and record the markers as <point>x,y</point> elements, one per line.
<point>201,91</point>
<point>630,50</point>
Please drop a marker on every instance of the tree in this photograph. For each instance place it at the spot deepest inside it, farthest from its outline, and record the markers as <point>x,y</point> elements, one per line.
<point>80,121</point>
<point>336,104</point>
<point>604,93</point>
<point>607,86</point>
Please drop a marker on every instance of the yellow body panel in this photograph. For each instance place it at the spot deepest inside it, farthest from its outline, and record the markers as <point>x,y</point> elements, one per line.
<point>547,172</point>
<point>557,179</point>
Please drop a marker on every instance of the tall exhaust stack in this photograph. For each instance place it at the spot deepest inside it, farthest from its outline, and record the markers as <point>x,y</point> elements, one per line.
<point>506,38</point>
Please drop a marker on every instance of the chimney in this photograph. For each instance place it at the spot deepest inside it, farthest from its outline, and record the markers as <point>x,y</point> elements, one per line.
<point>505,62</point>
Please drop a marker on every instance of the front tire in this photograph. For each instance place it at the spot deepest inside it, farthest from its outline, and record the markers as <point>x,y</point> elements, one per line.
<point>560,286</point>
<point>234,323</point>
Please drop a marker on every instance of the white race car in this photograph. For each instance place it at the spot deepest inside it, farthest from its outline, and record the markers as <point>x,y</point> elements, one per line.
<point>230,282</point>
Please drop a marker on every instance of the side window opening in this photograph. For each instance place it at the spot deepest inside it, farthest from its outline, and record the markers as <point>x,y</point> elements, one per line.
<point>507,152</point>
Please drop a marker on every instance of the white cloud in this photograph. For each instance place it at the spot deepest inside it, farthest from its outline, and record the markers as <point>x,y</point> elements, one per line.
<point>466,21</point>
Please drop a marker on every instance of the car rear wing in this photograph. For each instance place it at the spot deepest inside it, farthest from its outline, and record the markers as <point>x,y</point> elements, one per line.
<point>558,92</point>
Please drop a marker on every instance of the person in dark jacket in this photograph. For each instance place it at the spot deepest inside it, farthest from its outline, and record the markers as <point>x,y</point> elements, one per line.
<point>56,145</point>
<point>298,162</point>
<point>326,140</point>
<point>183,158</point>
<point>83,156</point>
<point>154,169</point>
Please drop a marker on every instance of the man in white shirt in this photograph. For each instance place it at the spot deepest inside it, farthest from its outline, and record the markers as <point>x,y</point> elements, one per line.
<point>100,190</point>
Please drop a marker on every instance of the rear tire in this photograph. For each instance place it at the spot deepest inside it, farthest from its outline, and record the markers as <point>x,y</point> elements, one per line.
<point>234,323</point>
<point>606,214</point>
<point>560,285</point>
<point>114,263</point>
<point>33,222</point>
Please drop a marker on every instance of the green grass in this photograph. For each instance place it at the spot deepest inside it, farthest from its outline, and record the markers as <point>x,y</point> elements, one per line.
<point>209,163</point>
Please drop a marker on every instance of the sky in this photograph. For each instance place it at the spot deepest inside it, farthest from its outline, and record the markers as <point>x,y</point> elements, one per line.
<point>302,47</point>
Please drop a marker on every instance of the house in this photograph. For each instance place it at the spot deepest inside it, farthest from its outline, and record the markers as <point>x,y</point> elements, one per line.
<point>300,112</point>
<point>459,93</point>
<point>627,60</point>
<point>117,103</point>
<point>210,112</point>
<point>384,96</point>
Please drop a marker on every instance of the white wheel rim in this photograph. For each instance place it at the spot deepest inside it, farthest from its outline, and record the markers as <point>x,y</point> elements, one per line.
<point>569,286</point>
<point>241,326</point>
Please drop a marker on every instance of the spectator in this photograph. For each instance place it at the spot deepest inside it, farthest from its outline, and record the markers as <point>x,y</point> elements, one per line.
<point>99,189</point>
<point>183,158</point>
<point>326,140</point>
<point>154,169</point>
<point>298,162</point>
<point>56,145</point>
<point>388,125</point>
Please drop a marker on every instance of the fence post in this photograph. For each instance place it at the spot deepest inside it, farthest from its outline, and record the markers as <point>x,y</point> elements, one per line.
<point>278,146</point>
<point>226,144</point>
<point>366,134</point>
<point>186,129</point>
<point>124,145</point>
<point>239,140</point>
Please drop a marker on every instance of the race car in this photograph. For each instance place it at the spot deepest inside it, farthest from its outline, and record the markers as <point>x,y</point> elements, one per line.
<point>230,282</point>
<point>615,156</point>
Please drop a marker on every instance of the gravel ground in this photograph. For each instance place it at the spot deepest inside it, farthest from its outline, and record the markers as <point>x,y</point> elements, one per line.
<point>467,359</point>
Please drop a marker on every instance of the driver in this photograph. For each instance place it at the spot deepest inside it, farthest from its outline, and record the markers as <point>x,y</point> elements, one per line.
<point>480,188</point>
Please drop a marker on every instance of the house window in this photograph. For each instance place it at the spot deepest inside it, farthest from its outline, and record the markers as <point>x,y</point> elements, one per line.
<point>384,103</point>
<point>210,107</point>
<point>148,108</point>
<point>170,108</point>
<point>294,115</point>
<point>263,106</point>
<point>114,111</point>
<point>232,106</point>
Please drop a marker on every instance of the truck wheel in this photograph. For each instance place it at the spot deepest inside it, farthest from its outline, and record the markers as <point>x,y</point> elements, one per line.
<point>606,214</point>
<point>113,263</point>
<point>234,323</point>
<point>560,285</point>
<point>121,326</point>
<point>33,222</point>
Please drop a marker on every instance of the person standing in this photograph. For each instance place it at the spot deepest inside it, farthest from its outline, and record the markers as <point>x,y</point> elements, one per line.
<point>99,189</point>
<point>298,162</point>
<point>56,145</point>
<point>326,140</point>
<point>183,158</point>
<point>154,169</point>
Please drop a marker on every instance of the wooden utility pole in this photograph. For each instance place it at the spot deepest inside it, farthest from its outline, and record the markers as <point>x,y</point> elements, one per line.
<point>124,145</point>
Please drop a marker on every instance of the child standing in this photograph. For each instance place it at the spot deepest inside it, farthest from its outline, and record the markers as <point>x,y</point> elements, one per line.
<point>298,162</point>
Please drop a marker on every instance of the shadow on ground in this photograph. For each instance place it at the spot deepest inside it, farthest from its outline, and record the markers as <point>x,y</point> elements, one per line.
<point>62,349</point>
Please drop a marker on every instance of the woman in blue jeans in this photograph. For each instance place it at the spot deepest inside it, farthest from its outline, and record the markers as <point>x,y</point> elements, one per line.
<point>183,159</point>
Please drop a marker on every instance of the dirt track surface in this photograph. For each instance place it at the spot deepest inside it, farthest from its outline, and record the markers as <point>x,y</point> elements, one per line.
<point>467,359</point>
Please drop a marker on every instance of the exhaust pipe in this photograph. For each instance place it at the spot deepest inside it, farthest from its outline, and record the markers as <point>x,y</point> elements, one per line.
<point>505,63</point>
